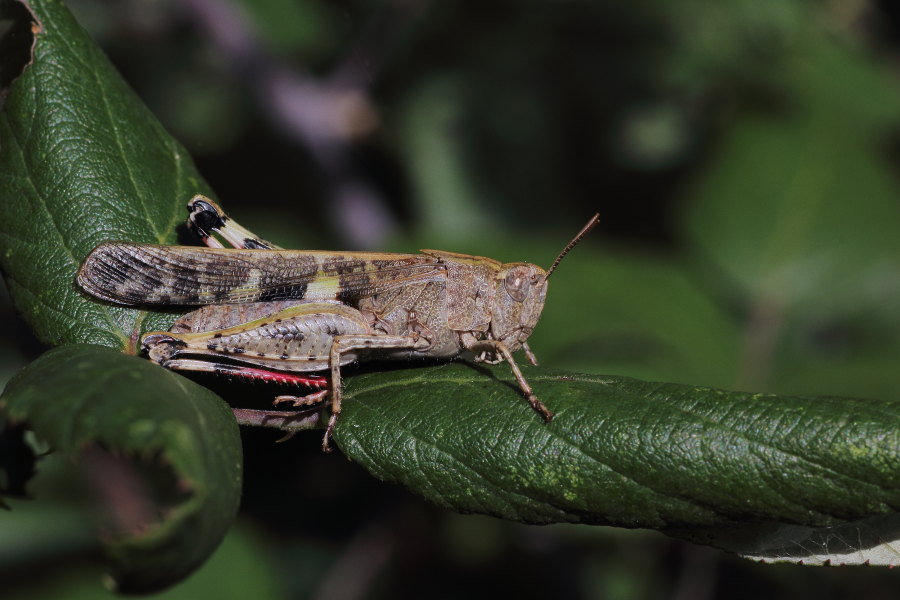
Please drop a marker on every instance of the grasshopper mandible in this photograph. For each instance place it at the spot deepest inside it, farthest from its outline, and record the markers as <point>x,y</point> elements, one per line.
<point>284,315</point>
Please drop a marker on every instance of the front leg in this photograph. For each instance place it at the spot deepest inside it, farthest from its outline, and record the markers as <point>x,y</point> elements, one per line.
<point>497,348</point>
<point>349,343</point>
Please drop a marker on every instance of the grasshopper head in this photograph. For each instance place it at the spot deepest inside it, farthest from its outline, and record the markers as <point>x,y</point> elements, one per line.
<point>520,292</point>
<point>518,302</point>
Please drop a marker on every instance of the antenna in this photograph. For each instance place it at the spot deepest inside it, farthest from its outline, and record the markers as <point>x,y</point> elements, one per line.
<point>578,236</point>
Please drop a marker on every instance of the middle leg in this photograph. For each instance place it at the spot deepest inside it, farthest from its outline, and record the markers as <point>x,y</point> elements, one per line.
<point>349,343</point>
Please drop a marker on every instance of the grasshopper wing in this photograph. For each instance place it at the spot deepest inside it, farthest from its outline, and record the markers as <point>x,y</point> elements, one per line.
<point>136,274</point>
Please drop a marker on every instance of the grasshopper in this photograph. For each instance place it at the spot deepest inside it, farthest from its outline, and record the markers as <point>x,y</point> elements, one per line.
<point>286,315</point>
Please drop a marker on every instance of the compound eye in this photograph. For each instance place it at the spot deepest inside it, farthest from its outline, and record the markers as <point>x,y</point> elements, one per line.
<point>517,284</point>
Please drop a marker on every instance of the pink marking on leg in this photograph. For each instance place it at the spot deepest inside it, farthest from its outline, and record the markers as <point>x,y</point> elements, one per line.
<point>315,381</point>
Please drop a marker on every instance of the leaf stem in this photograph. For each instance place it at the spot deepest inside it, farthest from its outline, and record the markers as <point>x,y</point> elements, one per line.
<point>761,332</point>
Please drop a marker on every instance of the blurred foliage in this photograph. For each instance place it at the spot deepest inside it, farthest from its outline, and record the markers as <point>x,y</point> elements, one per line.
<point>161,456</point>
<point>743,155</point>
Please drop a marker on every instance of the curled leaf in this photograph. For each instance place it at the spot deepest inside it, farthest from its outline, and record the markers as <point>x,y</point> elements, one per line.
<point>161,454</point>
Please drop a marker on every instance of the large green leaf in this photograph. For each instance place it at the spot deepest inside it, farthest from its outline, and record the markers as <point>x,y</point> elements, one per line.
<point>623,451</point>
<point>695,461</point>
<point>82,161</point>
<point>162,455</point>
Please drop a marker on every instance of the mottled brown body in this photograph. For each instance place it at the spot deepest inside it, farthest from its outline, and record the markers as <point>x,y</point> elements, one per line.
<point>313,311</point>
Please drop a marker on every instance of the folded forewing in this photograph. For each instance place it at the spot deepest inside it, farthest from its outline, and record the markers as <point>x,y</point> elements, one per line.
<point>136,274</point>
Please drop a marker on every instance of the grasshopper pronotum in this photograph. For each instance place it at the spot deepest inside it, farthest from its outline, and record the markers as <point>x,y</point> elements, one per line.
<point>284,315</point>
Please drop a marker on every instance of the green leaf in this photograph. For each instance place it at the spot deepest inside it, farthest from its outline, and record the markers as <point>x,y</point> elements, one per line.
<point>163,453</point>
<point>624,452</point>
<point>82,161</point>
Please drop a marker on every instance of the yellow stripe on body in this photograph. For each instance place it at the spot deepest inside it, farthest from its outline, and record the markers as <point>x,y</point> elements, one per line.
<point>324,286</point>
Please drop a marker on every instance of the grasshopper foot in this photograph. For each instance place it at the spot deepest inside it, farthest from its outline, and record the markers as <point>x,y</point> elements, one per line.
<point>311,400</point>
<point>326,439</point>
<point>301,401</point>
<point>540,408</point>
